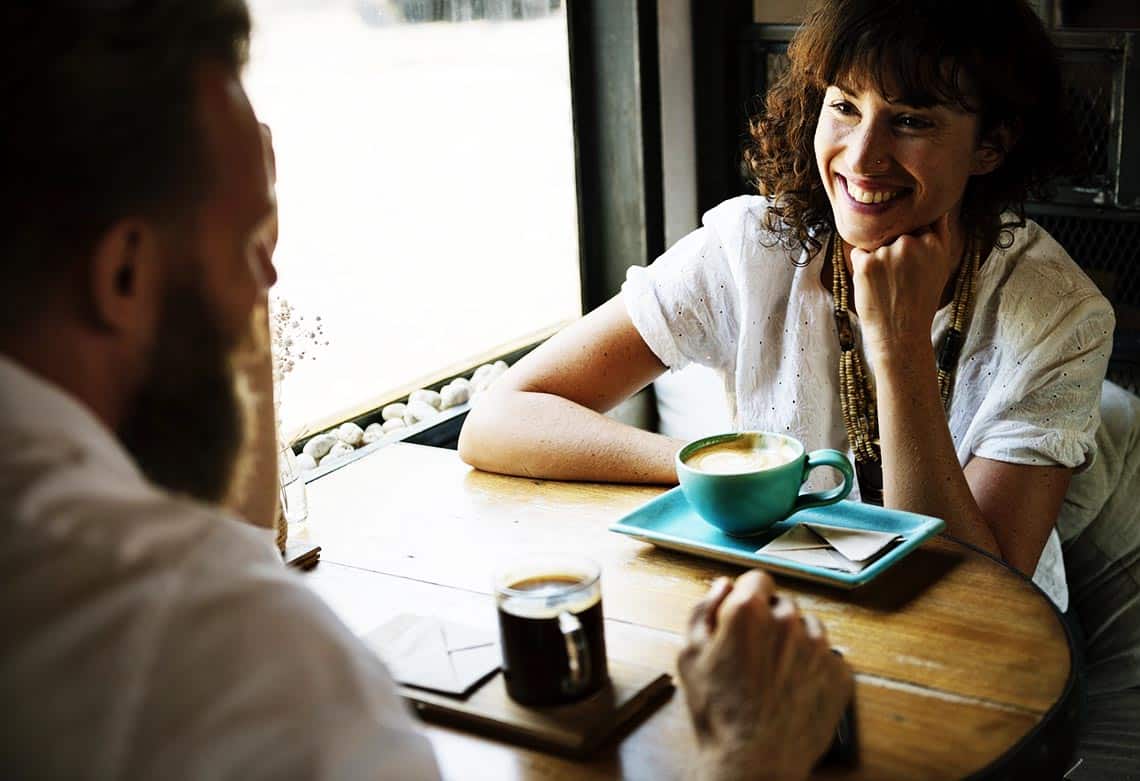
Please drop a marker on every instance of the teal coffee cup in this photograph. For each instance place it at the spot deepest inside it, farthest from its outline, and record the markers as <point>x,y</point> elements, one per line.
<point>744,482</point>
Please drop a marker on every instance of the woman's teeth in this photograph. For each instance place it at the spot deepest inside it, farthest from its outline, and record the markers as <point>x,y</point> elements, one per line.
<point>862,196</point>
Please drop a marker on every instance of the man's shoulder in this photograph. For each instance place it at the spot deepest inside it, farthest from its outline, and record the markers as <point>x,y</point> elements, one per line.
<point>179,637</point>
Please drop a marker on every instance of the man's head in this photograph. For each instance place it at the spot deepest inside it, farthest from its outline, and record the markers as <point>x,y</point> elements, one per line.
<point>132,219</point>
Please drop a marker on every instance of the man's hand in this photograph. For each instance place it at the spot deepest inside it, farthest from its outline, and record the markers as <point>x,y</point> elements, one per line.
<point>764,689</point>
<point>254,490</point>
<point>899,286</point>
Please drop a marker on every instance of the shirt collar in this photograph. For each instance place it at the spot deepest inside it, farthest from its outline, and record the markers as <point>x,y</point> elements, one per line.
<point>32,405</point>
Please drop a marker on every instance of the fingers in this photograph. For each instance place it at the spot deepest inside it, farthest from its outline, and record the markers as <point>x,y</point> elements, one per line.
<point>815,629</point>
<point>702,621</point>
<point>751,599</point>
<point>860,257</point>
<point>268,152</point>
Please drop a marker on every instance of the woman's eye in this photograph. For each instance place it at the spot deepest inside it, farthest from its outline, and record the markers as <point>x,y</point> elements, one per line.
<point>910,122</point>
<point>843,107</point>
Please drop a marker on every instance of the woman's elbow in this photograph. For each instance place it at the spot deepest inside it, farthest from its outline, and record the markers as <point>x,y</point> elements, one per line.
<point>471,446</point>
<point>477,442</point>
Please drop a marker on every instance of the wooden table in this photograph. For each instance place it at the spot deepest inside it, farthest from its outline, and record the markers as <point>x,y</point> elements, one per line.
<point>962,665</point>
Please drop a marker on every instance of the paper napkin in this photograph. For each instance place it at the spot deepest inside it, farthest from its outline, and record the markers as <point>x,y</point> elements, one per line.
<point>433,654</point>
<point>831,547</point>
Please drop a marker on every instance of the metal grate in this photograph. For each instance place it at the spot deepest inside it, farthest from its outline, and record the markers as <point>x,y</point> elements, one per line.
<point>1089,85</point>
<point>1109,252</point>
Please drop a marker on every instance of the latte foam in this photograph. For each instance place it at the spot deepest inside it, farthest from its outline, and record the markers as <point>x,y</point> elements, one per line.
<point>734,458</point>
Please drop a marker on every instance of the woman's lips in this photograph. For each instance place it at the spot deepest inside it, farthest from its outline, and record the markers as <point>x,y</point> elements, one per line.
<point>868,201</point>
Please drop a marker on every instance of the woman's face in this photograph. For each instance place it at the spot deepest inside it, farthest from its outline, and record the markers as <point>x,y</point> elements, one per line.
<point>891,169</point>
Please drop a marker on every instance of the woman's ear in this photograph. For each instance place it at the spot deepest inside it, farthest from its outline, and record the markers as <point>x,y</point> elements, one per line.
<point>123,277</point>
<point>992,150</point>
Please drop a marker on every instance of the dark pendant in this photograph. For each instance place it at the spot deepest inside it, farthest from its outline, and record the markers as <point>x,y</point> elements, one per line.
<point>870,476</point>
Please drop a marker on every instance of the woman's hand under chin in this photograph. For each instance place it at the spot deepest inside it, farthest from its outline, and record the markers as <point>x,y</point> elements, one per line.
<point>899,287</point>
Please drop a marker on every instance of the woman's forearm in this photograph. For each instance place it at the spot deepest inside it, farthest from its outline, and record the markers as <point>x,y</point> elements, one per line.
<point>921,472</point>
<point>544,435</point>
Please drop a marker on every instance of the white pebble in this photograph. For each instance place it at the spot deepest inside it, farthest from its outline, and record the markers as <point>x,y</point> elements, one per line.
<point>393,411</point>
<point>319,446</point>
<point>373,433</point>
<point>427,396</point>
<point>496,370</point>
<point>453,395</point>
<point>459,381</point>
<point>486,381</point>
<point>419,410</point>
<point>339,451</point>
<point>306,463</point>
<point>481,372</point>
<point>393,424</point>
<point>350,434</point>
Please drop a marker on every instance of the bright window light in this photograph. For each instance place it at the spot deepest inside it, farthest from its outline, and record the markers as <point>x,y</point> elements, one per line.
<point>426,184</point>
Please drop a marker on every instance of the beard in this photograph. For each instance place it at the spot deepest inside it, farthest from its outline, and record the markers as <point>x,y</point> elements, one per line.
<point>186,427</point>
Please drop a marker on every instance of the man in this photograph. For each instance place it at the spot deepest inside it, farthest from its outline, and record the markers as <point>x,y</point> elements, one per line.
<point>150,632</point>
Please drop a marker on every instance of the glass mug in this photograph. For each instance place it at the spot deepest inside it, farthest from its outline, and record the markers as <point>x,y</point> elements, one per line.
<point>551,630</point>
<point>294,498</point>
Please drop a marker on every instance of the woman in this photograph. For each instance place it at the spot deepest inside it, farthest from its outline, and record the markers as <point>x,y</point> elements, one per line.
<point>886,294</point>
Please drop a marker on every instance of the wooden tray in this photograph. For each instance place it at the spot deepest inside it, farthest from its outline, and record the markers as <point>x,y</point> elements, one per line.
<point>574,730</point>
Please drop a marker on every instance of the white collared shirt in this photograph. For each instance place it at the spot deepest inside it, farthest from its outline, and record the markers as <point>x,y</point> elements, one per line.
<point>150,636</point>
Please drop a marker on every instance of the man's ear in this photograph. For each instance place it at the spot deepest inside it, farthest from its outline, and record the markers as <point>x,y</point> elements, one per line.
<point>124,274</point>
<point>992,150</point>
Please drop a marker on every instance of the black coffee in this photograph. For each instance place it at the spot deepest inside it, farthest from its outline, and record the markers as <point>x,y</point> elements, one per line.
<point>536,657</point>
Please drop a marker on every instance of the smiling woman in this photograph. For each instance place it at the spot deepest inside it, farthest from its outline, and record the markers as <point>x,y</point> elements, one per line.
<point>952,345</point>
<point>937,73</point>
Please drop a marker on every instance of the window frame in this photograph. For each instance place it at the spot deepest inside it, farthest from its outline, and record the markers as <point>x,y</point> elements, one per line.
<point>613,50</point>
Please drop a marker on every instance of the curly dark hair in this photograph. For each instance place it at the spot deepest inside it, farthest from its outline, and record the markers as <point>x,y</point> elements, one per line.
<point>992,58</point>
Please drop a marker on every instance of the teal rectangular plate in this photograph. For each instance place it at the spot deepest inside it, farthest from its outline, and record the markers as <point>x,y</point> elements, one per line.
<point>669,521</point>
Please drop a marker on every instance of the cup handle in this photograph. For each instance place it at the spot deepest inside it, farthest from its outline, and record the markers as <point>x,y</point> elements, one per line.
<point>577,653</point>
<point>836,460</point>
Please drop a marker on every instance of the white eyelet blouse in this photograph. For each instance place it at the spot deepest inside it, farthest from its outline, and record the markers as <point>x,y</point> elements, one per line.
<point>1026,391</point>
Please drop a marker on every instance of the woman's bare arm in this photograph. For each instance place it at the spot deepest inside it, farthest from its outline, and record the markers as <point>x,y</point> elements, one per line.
<point>545,416</point>
<point>1005,509</point>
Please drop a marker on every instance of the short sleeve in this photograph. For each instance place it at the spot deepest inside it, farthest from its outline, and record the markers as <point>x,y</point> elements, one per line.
<point>1044,410</point>
<point>685,303</point>
<point>254,677</point>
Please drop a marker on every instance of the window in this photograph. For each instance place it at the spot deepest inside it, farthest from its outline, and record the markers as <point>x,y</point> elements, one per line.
<point>426,184</point>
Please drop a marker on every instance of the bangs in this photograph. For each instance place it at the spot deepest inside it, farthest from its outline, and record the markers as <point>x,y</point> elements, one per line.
<point>902,51</point>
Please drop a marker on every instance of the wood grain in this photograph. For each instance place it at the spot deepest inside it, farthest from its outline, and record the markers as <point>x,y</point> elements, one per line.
<point>948,643</point>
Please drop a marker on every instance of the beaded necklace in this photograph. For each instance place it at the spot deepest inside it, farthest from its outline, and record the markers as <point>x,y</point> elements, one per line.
<point>857,397</point>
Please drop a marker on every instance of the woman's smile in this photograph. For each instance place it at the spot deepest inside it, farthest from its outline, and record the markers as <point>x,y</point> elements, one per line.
<point>890,168</point>
<point>870,198</point>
